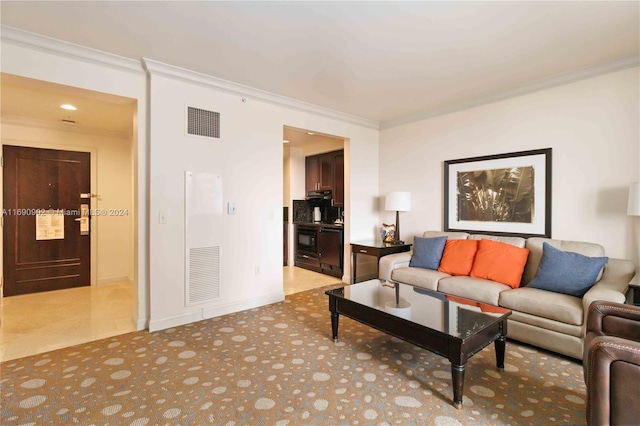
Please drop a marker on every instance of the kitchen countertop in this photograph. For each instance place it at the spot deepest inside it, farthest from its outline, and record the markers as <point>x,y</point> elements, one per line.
<point>323,225</point>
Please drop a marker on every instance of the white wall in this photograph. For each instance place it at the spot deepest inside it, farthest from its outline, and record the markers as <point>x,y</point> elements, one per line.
<point>249,157</point>
<point>592,126</point>
<point>40,58</point>
<point>286,178</point>
<point>113,183</point>
<point>294,190</point>
<point>295,181</point>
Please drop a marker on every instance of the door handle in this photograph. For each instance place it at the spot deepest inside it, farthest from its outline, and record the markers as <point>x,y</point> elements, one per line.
<point>84,219</point>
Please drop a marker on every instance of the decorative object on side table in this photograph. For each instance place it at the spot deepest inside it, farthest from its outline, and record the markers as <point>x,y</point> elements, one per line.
<point>399,201</point>
<point>502,194</point>
<point>388,233</point>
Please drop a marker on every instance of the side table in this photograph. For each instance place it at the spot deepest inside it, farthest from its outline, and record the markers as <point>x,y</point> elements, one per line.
<point>633,296</point>
<point>374,248</point>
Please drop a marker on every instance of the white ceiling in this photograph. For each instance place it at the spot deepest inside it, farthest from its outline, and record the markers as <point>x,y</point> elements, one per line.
<point>377,60</point>
<point>301,137</point>
<point>36,100</point>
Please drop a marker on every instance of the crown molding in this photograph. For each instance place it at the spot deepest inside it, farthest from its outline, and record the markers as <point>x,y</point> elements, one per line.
<point>159,68</point>
<point>51,45</point>
<point>63,48</point>
<point>61,127</point>
<point>547,83</point>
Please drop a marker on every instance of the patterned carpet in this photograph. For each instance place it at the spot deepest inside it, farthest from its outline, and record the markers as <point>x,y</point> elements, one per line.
<point>277,365</point>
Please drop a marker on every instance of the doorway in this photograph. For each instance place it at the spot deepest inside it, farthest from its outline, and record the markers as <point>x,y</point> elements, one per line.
<point>47,203</point>
<point>103,129</point>
<point>297,145</point>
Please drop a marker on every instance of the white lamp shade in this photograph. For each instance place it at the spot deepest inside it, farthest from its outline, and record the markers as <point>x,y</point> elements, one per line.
<point>633,208</point>
<point>398,201</point>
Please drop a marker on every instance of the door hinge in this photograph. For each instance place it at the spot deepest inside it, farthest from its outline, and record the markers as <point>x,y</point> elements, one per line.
<point>2,222</point>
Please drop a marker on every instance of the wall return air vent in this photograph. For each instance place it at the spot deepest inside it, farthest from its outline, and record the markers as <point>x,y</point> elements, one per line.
<point>204,231</point>
<point>201,122</point>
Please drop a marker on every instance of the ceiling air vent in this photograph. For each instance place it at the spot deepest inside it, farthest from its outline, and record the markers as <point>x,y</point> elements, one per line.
<point>201,122</point>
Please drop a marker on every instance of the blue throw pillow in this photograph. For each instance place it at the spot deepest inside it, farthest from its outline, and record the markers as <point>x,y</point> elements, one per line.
<point>427,252</point>
<point>566,272</point>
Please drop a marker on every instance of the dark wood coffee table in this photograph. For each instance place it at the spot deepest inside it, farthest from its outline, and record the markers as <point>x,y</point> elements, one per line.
<point>452,327</point>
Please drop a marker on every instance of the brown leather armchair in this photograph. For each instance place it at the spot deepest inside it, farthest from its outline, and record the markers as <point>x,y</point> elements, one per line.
<point>611,364</point>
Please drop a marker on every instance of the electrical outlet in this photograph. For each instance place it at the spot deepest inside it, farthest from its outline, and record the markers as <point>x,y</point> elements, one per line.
<point>257,269</point>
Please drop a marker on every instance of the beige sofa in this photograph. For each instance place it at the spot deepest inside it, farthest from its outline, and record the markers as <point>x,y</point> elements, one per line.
<point>546,319</point>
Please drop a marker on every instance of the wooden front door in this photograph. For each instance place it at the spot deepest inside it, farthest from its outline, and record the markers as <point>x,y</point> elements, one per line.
<point>46,236</point>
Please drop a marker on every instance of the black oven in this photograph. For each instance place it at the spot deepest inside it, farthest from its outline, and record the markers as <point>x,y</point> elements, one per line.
<point>307,239</point>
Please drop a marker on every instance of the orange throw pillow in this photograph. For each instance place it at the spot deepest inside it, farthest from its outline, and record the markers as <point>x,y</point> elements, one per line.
<point>500,262</point>
<point>457,258</point>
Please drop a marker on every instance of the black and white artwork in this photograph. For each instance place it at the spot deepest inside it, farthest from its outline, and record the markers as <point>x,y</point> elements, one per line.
<point>505,194</point>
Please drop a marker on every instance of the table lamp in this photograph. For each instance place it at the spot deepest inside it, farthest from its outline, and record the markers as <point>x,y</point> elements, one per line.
<point>400,201</point>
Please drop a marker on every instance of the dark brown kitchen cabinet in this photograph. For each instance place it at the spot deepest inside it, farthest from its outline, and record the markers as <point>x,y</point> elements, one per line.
<point>319,171</point>
<point>326,172</point>
<point>312,173</point>
<point>330,248</point>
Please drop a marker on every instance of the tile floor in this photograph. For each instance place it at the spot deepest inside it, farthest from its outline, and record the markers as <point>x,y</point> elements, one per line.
<point>299,279</point>
<point>41,322</point>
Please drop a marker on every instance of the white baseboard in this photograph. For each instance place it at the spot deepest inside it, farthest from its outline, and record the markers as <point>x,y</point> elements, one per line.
<point>140,323</point>
<point>113,280</point>
<point>214,311</point>
<point>243,305</point>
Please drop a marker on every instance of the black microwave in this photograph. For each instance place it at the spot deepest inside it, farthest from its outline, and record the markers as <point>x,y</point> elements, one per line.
<point>307,239</point>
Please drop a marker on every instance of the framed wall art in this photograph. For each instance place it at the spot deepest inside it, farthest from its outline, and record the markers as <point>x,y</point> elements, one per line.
<point>504,194</point>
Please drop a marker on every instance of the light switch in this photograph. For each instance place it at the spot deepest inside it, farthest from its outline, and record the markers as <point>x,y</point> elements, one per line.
<point>231,208</point>
<point>162,218</point>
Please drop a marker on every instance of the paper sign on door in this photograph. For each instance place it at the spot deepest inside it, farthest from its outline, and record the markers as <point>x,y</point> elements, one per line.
<point>50,225</point>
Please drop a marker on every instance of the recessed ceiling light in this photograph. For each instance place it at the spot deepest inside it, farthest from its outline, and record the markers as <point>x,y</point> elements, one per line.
<point>68,107</point>
<point>285,141</point>
<point>310,133</point>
